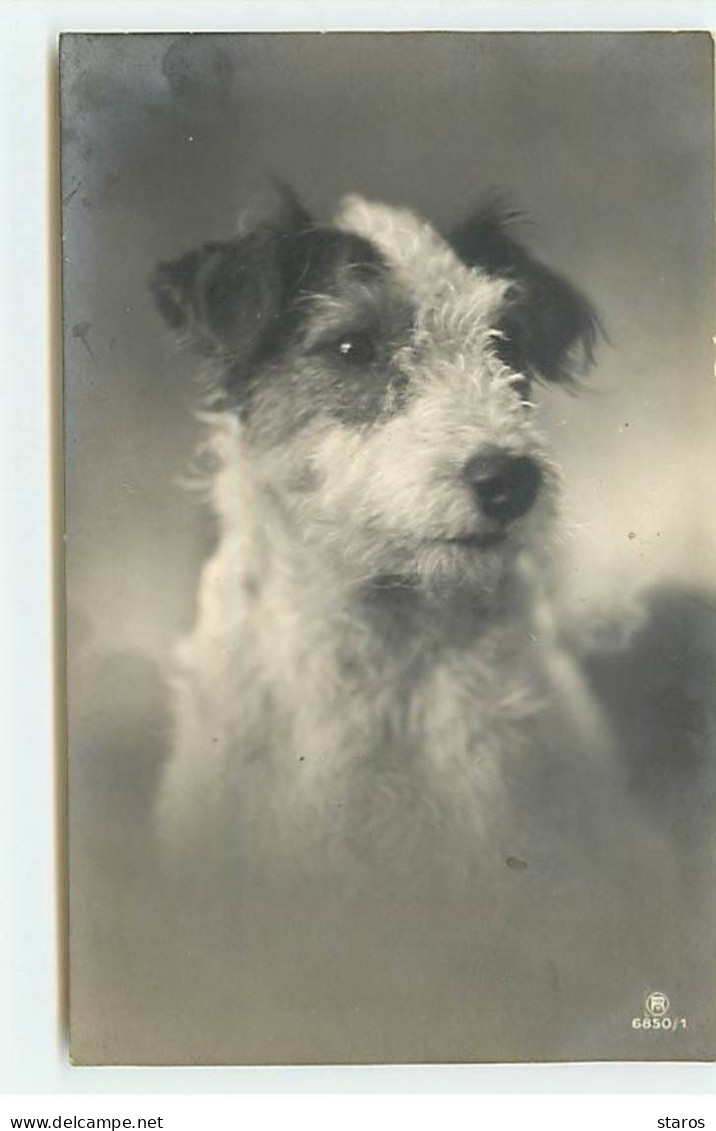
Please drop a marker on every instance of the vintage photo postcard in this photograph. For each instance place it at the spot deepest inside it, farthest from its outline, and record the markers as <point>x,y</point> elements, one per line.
<point>390,423</point>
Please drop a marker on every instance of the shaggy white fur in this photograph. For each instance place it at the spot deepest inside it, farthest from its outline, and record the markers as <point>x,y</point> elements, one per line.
<point>395,824</point>
<point>362,689</point>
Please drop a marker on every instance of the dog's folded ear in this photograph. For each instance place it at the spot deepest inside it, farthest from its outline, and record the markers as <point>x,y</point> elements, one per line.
<point>218,294</point>
<point>548,329</point>
<point>224,298</point>
<point>175,286</point>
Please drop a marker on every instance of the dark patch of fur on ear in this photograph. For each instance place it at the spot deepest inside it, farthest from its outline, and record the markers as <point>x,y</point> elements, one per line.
<point>549,329</point>
<point>172,285</point>
<point>220,296</point>
<point>240,302</point>
<point>224,298</point>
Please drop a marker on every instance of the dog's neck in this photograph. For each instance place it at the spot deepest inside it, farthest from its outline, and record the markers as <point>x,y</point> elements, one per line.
<point>378,699</point>
<point>300,608</point>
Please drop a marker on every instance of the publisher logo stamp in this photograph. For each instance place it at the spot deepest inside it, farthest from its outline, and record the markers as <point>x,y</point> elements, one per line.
<point>656,1015</point>
<point>657,1004</point>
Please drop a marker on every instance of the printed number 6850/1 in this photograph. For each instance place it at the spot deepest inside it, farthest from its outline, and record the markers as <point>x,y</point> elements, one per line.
<point>658,1023</point>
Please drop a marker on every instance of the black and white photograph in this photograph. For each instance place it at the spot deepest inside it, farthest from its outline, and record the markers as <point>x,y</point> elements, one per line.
<point>390,546</point>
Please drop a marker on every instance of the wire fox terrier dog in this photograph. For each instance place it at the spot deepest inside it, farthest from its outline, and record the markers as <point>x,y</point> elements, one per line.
<point>374,684</point>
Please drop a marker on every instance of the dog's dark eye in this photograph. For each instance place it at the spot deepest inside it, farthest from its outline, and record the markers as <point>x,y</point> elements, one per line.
<point>356,349</point>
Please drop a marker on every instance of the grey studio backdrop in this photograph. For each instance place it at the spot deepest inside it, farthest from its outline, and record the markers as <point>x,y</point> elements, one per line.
<point>603,140</point>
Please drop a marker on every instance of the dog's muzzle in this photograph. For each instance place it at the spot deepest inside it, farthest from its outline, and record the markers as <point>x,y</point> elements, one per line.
<point>504,486</point>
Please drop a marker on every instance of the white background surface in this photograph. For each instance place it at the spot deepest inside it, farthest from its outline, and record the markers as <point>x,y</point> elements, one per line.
<point>32,1057</point>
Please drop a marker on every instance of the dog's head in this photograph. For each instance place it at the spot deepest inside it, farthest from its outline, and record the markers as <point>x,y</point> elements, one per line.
<point>382,377</point>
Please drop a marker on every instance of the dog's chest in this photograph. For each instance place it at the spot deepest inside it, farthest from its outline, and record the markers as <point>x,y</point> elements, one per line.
<point>331,729</point>
<point>392,748</point>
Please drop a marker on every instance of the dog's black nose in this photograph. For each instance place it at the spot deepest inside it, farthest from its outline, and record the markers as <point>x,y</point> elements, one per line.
<point>504,485</point>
